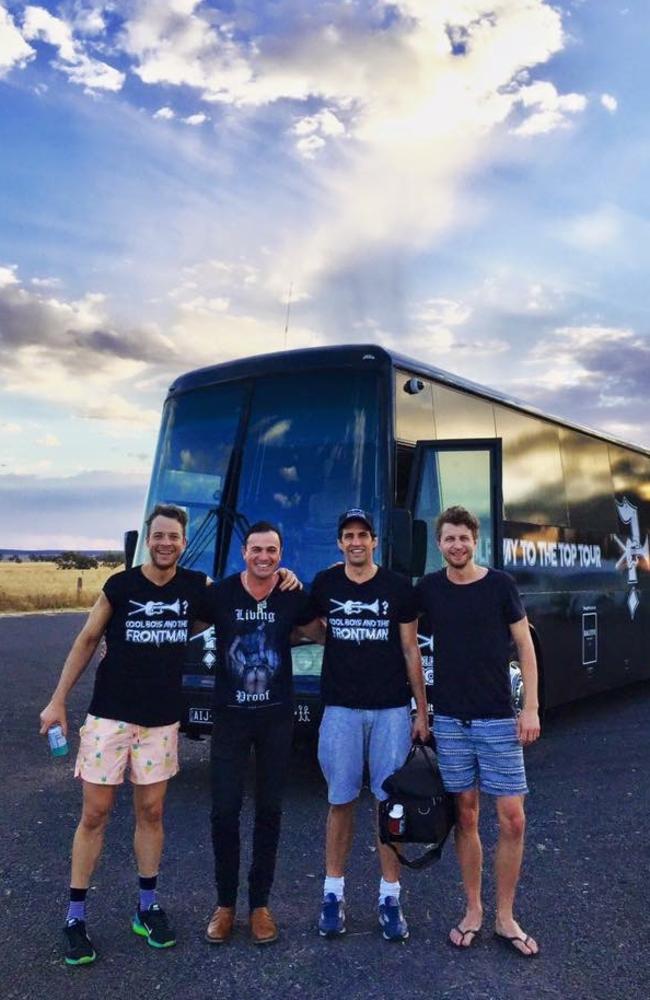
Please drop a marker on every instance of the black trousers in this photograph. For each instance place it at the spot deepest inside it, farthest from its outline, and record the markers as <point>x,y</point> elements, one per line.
<point>234,733</point>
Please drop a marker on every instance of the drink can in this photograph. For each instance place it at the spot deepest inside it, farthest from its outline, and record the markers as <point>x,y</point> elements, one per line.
<point>396,821</point>
<point>57,741</point>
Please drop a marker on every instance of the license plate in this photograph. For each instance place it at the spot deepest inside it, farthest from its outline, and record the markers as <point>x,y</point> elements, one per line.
<point>203,715</point>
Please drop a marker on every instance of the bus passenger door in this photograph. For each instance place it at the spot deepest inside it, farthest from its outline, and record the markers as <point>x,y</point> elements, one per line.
<point>464,472</point>
<point>445,474</point>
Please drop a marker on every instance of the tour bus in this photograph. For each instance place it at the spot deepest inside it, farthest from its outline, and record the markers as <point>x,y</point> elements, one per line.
<point>297,437</point>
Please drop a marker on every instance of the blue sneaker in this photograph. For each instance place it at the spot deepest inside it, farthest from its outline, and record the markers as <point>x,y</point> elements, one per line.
<point>391,919</point>
<point>331,922</point>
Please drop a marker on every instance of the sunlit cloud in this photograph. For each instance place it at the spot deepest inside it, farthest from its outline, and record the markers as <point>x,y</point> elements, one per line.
<point>14,50</point>
<point>80,68</point>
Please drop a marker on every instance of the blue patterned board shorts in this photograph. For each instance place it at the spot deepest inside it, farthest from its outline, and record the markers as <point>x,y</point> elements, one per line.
<point>483,752</point>
<point>352,737</point>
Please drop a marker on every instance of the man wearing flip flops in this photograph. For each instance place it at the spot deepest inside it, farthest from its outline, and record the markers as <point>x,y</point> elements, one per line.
<point>474,613</point>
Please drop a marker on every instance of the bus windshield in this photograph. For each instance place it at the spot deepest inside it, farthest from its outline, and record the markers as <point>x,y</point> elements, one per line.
<point>310,452</point>
<point>194,454</point>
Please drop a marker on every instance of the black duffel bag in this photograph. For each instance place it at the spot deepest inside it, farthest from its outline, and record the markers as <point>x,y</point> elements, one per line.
<point>427,815</point>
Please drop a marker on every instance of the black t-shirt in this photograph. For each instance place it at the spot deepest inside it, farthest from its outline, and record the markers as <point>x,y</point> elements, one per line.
<point>139,678</point>
<point>254,652</point>
<point>471,642</point>
<point>363,664</point>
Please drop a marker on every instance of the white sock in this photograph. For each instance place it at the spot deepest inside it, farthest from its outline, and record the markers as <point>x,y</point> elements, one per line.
<point>388,889</point>
<point>335,885</point>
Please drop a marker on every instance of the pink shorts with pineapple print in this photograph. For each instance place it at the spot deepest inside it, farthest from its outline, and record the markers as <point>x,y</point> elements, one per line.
<point>107,747</point>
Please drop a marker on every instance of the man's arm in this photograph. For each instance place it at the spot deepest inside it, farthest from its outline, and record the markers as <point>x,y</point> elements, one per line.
<point>528,721</point>
<point>408,633</point>
<point>76,662</point>
<point>315,631</point>
<point>288,579</point>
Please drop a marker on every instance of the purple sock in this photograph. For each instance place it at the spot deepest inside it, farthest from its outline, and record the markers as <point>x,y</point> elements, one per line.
<point>77,906</point>
<point>147,892</point>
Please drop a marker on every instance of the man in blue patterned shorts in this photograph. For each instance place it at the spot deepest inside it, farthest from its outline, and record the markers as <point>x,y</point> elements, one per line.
<point>474,612</point>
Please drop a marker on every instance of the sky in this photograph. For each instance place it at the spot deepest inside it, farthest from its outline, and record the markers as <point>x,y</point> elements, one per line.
<point>464,181</point>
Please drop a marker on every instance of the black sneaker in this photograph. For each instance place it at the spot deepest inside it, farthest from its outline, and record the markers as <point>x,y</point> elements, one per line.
<point>78,946</point>
<point>154,925</point>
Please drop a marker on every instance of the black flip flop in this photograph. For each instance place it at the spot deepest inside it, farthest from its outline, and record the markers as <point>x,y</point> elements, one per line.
<point>470,930</point>
<point>509,942</point>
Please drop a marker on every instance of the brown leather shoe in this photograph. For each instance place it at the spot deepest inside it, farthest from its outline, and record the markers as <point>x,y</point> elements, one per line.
<point>221,925</point>
<point>264,929</point>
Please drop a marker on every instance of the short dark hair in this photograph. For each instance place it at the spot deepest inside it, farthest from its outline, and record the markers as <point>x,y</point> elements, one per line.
<point>259,528</point>
<point>458,515</point>
<point>167,510</point>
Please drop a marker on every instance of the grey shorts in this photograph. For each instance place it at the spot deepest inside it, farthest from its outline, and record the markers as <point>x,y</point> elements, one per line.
<point>484,753</point>
<point>352,737</point>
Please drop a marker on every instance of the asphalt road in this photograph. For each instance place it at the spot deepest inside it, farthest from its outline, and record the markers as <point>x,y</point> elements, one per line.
<point>583,893</point>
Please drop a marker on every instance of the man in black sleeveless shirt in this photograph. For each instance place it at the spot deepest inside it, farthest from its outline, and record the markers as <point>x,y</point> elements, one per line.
<point>474,613</point>
<point>144,614</point>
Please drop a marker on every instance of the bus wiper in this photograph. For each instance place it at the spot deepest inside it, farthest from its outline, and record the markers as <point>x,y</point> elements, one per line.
<point>203,537</point>
<point>206,532</point>
<point>240,523</point>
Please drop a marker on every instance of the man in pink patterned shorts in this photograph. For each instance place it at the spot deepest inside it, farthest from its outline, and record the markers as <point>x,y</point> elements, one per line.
<point>145,615</point>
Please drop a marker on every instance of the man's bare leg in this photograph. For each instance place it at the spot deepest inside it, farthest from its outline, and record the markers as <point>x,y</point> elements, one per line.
<point>390,866</point>
<point>338,838</point>
<point>89,835</point>
<point>509,854</point>
<point>470,859</point>
<point>148,840</point>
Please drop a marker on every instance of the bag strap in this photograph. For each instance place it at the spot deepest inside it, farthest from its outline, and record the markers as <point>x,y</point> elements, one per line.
<point>429,856</point>
<point>419,745</point>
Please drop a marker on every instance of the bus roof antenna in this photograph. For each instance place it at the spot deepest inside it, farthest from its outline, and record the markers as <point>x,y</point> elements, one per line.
<point>286,322</point>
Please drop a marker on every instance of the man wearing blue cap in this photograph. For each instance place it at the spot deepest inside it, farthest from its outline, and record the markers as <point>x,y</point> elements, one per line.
<point>371,668</point>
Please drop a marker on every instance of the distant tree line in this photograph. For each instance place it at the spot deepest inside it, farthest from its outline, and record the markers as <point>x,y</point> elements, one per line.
<point>67,560</point>
<point>80,560</point>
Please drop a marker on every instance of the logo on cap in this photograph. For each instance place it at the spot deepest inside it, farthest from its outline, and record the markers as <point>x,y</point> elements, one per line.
<point>357,514</point>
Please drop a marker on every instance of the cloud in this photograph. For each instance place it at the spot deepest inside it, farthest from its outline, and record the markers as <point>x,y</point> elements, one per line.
<point>197,119</point>
<point>599,374</point>
<point>314,130</point>
<point>550,109</point>
<point>609,102</point>
<point>73,60</point>
<point>89,510</point>
<point>69,352</point>
<point>45,282</point>
<point>49,441</point>
<point>387,107</point>
<point>592,231</point>
<point>14,50</point>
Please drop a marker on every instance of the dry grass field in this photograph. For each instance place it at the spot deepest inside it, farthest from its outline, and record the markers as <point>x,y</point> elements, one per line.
<point>41,586</point>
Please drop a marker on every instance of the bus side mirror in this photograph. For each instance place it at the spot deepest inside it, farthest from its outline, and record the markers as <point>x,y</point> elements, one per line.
<point>130,545</point>
<point>419,550</point>
<point>401,540</point>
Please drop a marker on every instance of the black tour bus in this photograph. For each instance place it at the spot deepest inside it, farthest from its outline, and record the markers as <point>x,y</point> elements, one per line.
<point>297,437</point>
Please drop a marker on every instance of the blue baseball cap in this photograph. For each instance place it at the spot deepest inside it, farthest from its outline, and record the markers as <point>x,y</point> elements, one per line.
<point>356,514</point>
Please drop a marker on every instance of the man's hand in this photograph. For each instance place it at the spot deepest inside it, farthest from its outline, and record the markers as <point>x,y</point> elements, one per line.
<point>420,727</point>
<point>289,580</point>
<point>528,727</point>
<point>51,714</point>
